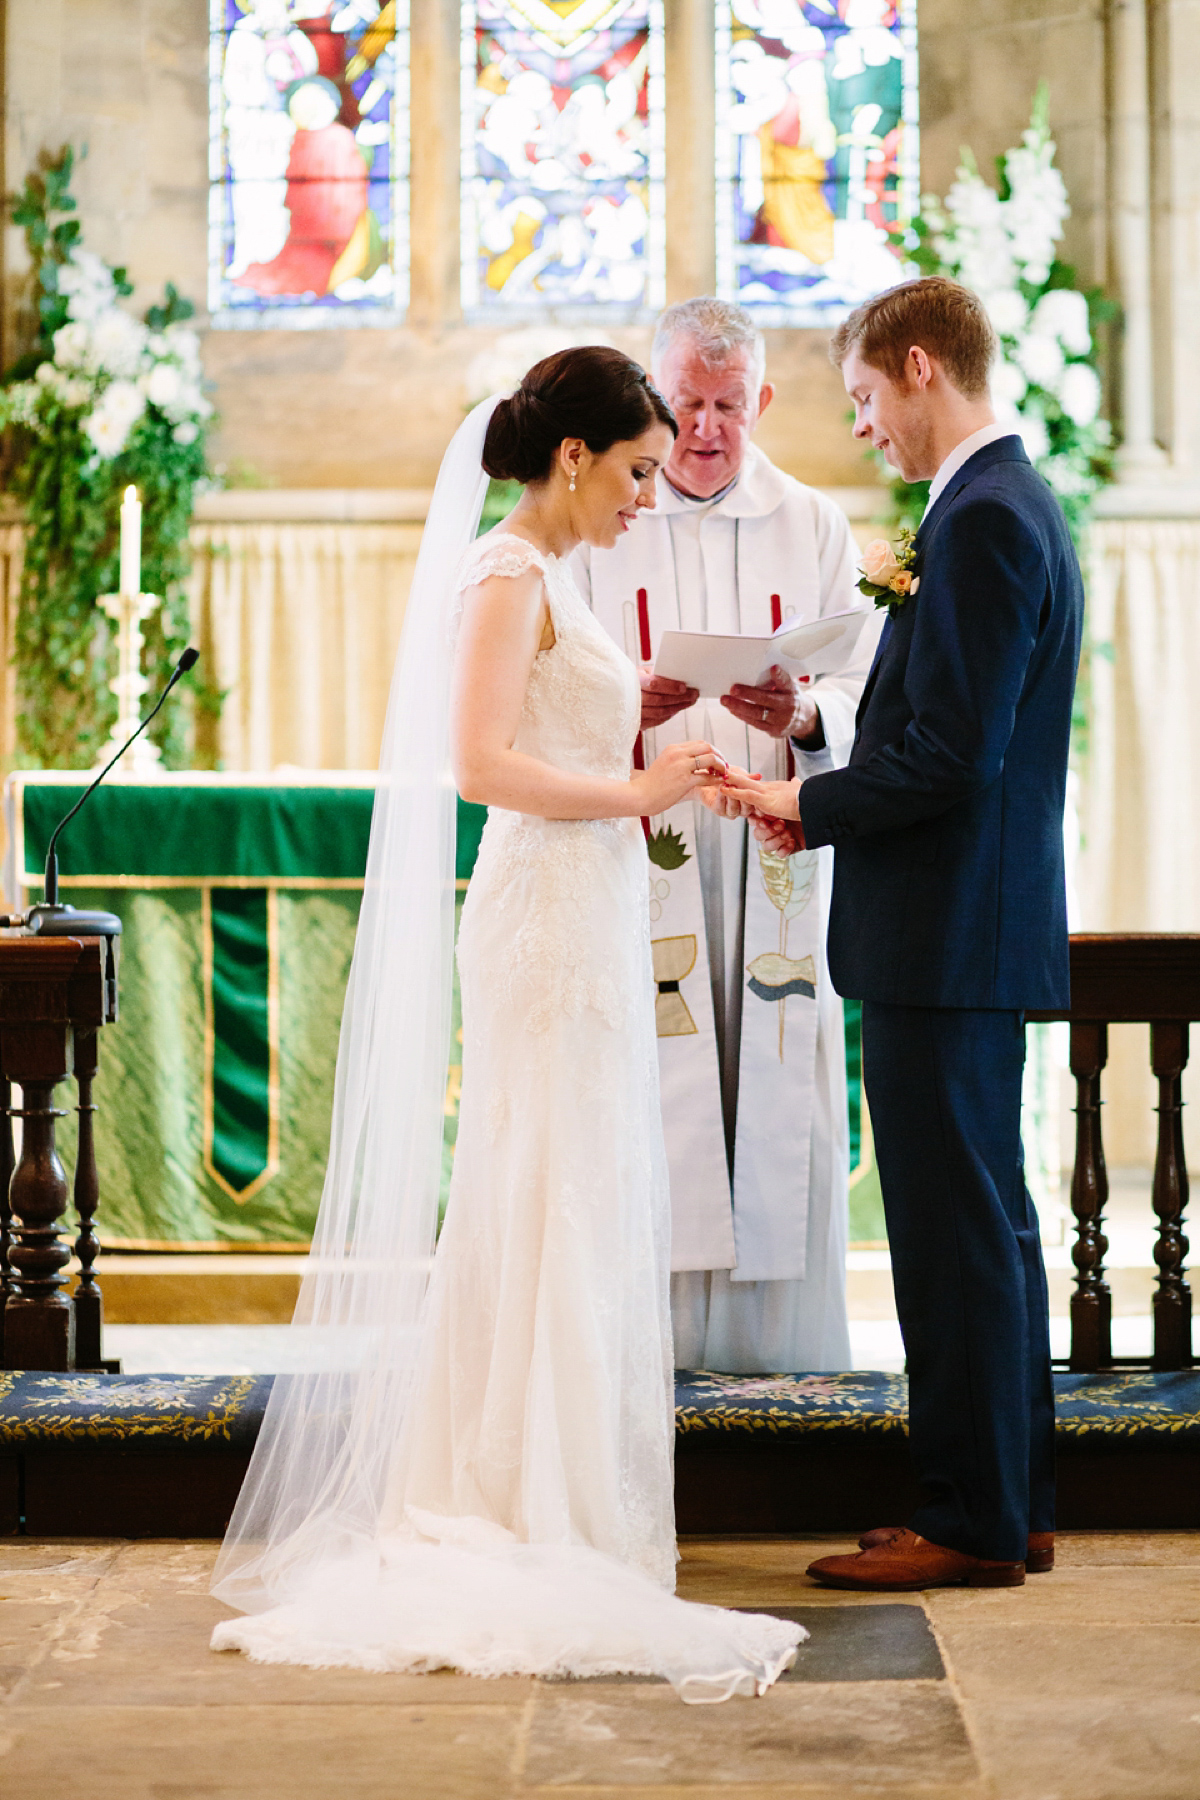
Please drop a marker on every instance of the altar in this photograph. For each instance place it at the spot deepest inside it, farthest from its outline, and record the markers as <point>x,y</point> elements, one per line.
<point>239,896</point>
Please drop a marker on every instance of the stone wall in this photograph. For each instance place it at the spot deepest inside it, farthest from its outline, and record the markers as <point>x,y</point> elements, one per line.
<point>375,408</point>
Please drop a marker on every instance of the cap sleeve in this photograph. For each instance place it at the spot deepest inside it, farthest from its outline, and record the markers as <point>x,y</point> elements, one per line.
<point>498,554</point>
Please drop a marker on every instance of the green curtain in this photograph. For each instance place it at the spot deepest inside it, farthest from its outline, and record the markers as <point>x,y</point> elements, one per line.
<point>239,898</point>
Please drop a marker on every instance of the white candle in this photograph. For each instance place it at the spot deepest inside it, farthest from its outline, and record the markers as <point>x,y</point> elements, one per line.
<point>131,543</point>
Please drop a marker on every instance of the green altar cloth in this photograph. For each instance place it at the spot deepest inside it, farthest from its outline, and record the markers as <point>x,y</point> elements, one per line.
<point>239,897</point>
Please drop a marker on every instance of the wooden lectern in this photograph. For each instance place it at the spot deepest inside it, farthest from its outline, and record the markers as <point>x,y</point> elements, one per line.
<point>55,994</point>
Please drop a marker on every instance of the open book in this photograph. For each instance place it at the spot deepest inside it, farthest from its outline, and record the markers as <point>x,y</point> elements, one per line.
<point>713,663</point>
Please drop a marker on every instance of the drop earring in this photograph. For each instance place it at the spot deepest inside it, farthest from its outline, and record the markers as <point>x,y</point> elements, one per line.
<point>571,485</point>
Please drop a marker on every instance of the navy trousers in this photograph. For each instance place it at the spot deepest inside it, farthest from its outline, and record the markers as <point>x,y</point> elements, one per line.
<point>944,1091</point>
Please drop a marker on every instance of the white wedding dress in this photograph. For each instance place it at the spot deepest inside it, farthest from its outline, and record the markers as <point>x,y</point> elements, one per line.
<point>528,1521</point>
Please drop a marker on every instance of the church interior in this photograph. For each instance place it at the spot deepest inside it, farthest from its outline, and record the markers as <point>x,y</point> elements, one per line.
<point>260,259</point>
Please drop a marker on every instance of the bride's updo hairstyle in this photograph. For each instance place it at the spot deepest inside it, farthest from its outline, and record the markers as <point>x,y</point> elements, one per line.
<point>594,393</point>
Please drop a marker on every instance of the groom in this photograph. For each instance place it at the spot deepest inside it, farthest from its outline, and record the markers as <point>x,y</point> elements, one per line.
<point>949,920</point>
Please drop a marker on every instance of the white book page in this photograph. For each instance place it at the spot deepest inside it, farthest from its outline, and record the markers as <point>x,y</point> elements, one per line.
<point>713,663</point>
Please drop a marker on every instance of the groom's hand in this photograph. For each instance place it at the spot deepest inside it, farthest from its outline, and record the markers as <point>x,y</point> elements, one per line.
<point>782,837</point>
<point>662,698</point>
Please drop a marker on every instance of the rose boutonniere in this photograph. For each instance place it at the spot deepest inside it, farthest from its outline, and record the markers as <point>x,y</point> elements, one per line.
<point>886,573</point>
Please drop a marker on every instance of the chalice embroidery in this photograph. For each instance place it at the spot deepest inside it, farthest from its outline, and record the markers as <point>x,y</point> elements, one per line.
<point>775,975</point>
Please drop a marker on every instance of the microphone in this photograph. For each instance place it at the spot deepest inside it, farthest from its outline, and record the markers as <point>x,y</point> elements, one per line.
<point>51,918</point>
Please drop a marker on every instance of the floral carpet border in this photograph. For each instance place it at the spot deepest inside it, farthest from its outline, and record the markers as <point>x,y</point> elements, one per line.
<point>1134,1408</point>
<point>224,1411</point>
<point>1131,1406</point>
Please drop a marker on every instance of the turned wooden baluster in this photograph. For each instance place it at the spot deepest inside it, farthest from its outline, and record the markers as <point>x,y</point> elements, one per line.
<point>89,1302</point>
<point>39,1317</point>
<point>7,1159</point>
<point>1091,1303</point>
<point>1172,1297</point>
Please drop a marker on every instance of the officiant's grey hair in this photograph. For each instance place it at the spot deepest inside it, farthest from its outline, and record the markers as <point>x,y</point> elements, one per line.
<point>718,329</point>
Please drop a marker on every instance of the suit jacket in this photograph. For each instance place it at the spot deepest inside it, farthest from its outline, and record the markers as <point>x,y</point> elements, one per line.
<point>947,824</point>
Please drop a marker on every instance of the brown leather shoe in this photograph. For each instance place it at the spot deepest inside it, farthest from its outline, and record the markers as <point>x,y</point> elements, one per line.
<point>1039,1546</point>
<point>907,1562</point>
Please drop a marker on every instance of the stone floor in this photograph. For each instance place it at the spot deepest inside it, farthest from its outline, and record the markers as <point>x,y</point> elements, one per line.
<point>1083,1685</point>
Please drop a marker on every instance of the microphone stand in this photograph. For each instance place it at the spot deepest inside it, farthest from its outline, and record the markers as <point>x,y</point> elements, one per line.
<point>50,918</point>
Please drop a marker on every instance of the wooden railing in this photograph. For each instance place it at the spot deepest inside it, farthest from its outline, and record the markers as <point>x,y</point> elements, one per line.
<point>1152,980</point>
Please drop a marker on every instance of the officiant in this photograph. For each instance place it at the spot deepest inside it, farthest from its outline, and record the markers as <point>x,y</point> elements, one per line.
<point>750,1038</point>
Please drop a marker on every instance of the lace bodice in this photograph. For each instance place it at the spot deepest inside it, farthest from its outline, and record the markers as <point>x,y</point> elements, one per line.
<point>581,708</point>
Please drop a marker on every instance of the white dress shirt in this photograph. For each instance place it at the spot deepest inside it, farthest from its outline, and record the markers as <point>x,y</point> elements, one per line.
<point>961,453</point>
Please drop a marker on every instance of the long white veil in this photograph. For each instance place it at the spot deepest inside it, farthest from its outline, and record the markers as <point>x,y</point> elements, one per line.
<point>319,1470</point>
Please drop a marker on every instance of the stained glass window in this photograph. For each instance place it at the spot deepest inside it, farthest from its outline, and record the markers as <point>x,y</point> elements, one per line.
<point>308,162</point>
<point>817,173</point>
<point>562,186</point>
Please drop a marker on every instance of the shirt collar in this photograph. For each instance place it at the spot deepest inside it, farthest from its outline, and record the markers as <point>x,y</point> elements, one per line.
<point>961,453</point>
<point>694,502</point>
<point>757,489</point>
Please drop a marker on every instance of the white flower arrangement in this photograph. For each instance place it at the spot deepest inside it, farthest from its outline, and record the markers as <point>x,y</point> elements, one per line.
<point>108,367</point>
<point>1003,245</point>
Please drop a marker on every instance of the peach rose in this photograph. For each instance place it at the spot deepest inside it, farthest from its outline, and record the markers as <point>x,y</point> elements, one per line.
<point>879,564</point>
<point>901,582</point>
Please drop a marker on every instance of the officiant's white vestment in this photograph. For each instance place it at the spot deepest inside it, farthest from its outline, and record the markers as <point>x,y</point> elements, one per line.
<point>751,1047</point>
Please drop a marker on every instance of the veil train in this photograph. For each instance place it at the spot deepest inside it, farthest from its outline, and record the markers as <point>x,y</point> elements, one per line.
<point>314,1556</point>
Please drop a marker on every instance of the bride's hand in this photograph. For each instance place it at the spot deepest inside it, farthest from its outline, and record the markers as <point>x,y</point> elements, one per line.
<point>778,799</point>
<point>721,800</point>
<point>675,774</point>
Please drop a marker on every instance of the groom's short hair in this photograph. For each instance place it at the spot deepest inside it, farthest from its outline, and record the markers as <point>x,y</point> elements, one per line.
<point>941,317</point>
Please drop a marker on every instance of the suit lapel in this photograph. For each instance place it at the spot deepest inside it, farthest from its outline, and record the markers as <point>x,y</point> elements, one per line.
<point>1005,449</point>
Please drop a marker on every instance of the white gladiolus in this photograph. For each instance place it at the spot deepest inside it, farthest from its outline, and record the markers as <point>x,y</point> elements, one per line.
<point>1040,360</point>
<point>1063,313</point>
<point>1007,310</point>
<point>1079,393</point>
<point>981,246</point>
<point>1037,205</point>
<point>1008,384</point>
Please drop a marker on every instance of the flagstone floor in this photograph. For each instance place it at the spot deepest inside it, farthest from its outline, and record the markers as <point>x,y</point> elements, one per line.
<point>1083,1685</point>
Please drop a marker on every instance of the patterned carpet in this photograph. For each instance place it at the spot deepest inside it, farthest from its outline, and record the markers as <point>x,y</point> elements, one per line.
<point>1138,1406</point>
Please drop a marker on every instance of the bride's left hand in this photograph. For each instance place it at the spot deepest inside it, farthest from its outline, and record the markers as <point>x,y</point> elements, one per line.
<point>778,799</point>
<point>721,801</point>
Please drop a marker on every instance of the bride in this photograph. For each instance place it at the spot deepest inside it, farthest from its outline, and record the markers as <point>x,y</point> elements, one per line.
<point>477,1471</point>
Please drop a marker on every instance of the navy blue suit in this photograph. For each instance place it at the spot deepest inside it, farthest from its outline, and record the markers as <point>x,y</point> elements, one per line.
<point>948,920</point>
